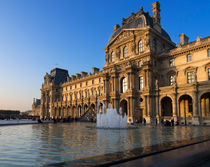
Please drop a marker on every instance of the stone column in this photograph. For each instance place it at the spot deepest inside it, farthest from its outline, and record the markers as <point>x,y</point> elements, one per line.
<point>157,109</point>
<point>145,106</point>
<point>175,107</point>
<point>129,80</point>
<point>129,105</point>
<point>131,108</point>
<point>149,110</point>
<point>195,109</point>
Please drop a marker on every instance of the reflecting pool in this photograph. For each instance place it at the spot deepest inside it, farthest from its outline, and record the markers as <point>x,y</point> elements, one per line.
<point>44,144</point>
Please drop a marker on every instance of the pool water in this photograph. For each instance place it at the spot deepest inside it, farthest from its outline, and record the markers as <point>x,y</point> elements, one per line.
<point>43,144</point>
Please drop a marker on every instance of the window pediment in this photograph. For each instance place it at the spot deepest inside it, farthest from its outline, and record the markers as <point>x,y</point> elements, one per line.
<point>171,72</point>
<point>190,69</point>
<point>207,66</point>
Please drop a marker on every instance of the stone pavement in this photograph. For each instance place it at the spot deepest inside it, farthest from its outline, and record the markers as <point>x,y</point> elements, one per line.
<point>197,155</point>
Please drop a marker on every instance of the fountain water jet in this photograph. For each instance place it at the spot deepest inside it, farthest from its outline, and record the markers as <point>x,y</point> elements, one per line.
<point>110,118</point>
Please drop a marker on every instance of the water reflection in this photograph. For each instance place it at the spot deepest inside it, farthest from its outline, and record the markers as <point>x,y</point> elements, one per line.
<point>36,145</point>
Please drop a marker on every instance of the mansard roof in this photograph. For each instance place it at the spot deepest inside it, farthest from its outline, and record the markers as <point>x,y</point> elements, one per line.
<point>140,19</point>
<point>59,75</point>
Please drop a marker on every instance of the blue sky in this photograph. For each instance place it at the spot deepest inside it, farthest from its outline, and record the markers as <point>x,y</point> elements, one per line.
<point>39,35</point>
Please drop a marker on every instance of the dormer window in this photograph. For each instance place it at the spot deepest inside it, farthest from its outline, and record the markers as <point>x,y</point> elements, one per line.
<point>189,58</point>
<point>113,57</point>
<point>141,46</point>
<point>125,51</point>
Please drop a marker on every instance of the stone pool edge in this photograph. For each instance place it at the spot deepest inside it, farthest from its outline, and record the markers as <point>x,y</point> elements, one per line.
<point>129,155</point>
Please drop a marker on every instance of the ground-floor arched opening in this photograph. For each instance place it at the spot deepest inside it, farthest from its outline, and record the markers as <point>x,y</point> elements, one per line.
<point>59,112</point>
<point>69,111</point>
<point>205,106</point>
<point>100,108</point>
<point>185,108</point>
<point>79,111</point>
<point>85,108</point>
<point>74,112</point>
<point>92,107</point>
<point>166,108</point>
<point>124,106</point>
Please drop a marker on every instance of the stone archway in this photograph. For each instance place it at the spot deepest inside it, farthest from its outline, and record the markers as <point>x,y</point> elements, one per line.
<point>92,107</point>
<point>124,106</point>
<point>59,112</point>
<point>69,111</point>
<point>73,112</point>
<point>85,108</point>
<point>79,111</point>
<point>166,108</point>
<point>205,104</point>
<point>185,108</point>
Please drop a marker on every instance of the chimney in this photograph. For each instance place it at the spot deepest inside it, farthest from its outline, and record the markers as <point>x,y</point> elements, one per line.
<point>73,77</point>
<point>183,39</point>
<point>84,73</point>
<point>95,70</point>
<point>116,27</point>
<point>78,75</point>
<point>156,15</point>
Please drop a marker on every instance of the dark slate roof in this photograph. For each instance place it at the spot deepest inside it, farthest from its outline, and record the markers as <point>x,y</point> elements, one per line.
<point>59,75</point>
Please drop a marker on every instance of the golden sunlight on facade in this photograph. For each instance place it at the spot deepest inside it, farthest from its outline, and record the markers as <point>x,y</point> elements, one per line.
<point>145,74</point>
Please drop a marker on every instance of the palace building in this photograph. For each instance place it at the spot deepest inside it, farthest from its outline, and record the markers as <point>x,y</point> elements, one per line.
<point>145,74</point>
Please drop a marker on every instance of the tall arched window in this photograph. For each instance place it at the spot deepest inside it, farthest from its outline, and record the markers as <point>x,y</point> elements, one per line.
<point>124,85</point>
<point>141,83</point>
<point>113,57</point>
<point>141,46</point>
<point>125,51</point>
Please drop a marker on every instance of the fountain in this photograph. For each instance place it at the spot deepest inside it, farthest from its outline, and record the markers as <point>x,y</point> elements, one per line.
<point>111,118</point>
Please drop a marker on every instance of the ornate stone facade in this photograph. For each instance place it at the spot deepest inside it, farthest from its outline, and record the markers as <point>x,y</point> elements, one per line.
<point>145,74</point>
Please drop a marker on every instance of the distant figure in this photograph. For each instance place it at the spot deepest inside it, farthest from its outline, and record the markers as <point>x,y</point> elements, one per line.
<point>145,122</point>
<point>172,122</point>
<point>162,122</point>
<point>129,121</point>
<point>156,121</point>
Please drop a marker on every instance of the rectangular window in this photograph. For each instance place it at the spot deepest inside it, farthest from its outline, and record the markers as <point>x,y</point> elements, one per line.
<point>141,83</point>
<point>209,73</point>
<point>189,58</point>
<point>141,46</point>
<point>172,80</point>
<point>171,62</point>
<point>86,83</point>
<point>99,80</point>
<point>208,52</point>
<point>190,77</point>
<point>80,85</point>
<point>92,81</point>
